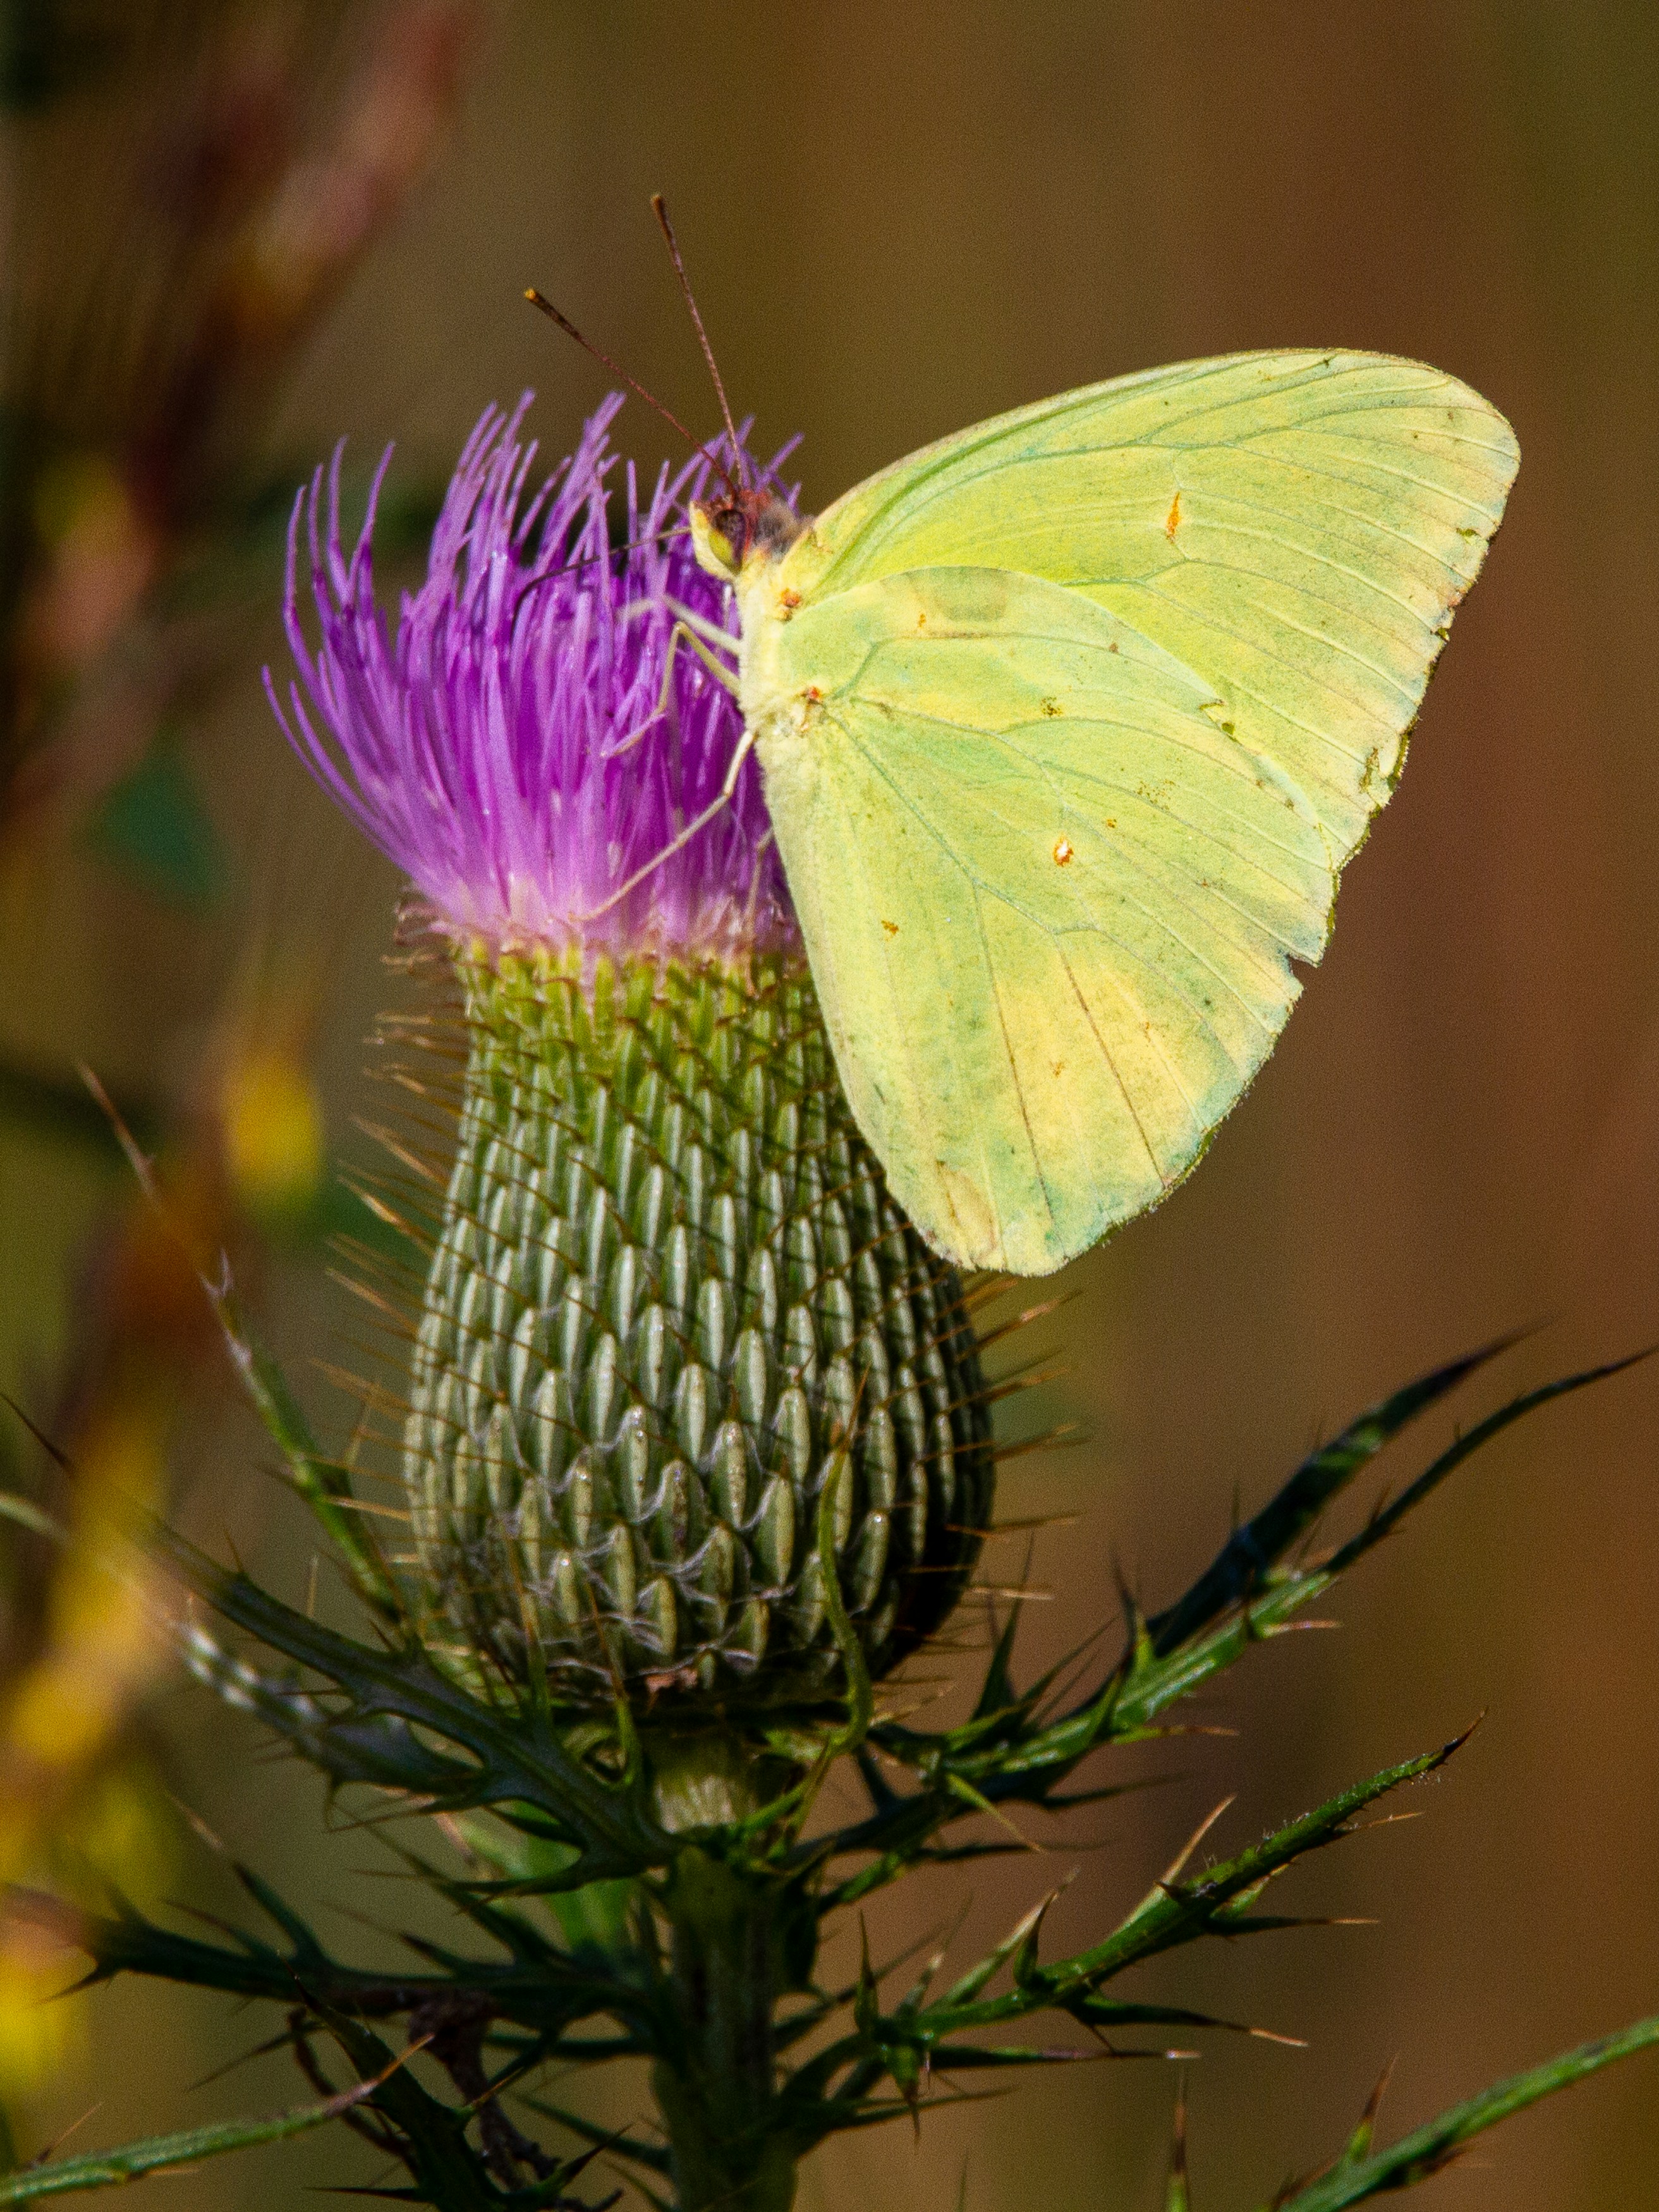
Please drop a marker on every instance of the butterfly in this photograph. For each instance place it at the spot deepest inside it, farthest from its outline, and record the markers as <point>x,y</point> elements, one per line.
<point>1068,725</point>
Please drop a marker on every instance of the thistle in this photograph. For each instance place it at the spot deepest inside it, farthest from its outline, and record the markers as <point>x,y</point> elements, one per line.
<point>695,1446</point>
<point>671,1305</point>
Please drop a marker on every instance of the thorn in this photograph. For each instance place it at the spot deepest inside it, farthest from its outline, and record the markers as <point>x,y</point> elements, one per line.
<point>197,1827</point>
<point>1359,2141</point>
<point>137,1160</point>
<point>1172,1873</point>
<point>59,1459</point>
<point>63,2134</point>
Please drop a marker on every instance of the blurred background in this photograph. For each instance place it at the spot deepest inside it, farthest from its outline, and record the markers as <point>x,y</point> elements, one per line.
<point>234,234</point>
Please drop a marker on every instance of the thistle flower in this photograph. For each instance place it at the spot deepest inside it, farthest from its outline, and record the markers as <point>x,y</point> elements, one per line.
<point>671,1300</point>
<point>511,748</point>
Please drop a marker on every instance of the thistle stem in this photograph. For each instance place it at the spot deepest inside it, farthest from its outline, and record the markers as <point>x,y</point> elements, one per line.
<point>727,1966</point>
<point>716,2091</point>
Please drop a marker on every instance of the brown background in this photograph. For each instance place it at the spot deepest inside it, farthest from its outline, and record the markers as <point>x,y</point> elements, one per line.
<point>901,218</point>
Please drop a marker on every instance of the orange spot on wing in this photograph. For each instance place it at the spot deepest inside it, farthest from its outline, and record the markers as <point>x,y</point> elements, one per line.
<point>788,598</point>
<point>891,927</point>
<point>1172,522</point>
<point>1062,851</point>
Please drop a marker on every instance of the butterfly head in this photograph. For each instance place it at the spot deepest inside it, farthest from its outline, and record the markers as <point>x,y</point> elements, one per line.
<point>740,526</point>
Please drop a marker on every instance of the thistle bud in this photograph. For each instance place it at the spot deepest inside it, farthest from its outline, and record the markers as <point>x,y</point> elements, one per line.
<point>683,1369</point>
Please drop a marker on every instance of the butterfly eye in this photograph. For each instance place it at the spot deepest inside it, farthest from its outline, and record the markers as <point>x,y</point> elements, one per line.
<point>711,543</point>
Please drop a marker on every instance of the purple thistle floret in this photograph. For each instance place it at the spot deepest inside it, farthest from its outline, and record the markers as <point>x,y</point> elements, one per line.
<point>507,750</point>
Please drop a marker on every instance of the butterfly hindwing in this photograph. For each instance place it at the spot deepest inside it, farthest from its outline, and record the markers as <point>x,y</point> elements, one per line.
<point>1050,903</point>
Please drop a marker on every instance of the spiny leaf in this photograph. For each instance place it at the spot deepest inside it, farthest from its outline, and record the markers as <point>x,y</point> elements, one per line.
<point>997,1694</point>
<point>1149,1690</point>
<point>1427,2149</point>
<point>101,2169</point>
<point>1238,1567</point>
<point>514,1759</point>
<point>901,2044</point>
<point>1217,1903</point>
<point>595,1917</point>
<point>965,1991</point>
<point>1359,2145</point>
<point>1008,1755</point>
<point>1384,1523</point>
<point>1190,1642</point>
<point>431,2136</point>
<point>654,2157</point>
<point>544,1997</point>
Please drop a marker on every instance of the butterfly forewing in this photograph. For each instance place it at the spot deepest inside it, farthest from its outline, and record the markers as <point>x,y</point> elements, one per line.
<point>1296,528</point>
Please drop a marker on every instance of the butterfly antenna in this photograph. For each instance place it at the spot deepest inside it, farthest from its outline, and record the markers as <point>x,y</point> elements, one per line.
<point>660,209</point>
<point>539,300</point>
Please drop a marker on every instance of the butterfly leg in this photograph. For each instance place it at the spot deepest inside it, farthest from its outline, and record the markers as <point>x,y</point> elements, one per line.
<point>745,745</point>
<point>711,661</point>
<point>693,620</point>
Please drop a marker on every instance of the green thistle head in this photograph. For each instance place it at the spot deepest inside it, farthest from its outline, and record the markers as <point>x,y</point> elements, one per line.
<point>680,1359</point>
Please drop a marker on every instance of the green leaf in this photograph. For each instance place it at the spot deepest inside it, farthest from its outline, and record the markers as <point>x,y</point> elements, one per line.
<point>100,2169</point>
<point>653,2157</point>
<point>1149,1689</point>
<point>323,1484</point>
<point>1427,2149</point>
<point>1177,1911</point>
<point>431,2136</point>
<point>543,1994</point>
<point>595,1917</point>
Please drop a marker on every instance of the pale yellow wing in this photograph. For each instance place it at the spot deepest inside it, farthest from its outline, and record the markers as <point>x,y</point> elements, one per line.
<point>1050,903</point>
<point>1296,528</point>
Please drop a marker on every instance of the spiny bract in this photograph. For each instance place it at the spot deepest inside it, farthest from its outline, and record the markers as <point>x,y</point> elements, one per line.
<point>671,1299</point>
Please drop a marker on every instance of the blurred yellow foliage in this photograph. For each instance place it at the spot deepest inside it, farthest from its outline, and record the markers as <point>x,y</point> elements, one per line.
<point>61,1801</point>
<point>272,1124</point>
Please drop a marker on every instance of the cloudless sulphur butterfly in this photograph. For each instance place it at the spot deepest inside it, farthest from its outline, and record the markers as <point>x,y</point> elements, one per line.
<point>1068,724</point>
